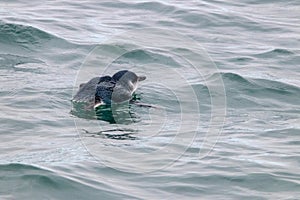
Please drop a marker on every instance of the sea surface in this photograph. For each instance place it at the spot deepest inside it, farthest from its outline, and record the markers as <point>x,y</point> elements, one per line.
<point>218,116</point>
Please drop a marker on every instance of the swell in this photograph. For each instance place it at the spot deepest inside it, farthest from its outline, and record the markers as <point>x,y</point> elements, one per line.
<point>16,33</point>
<point>9,61</point>
<point>274,52</point>
<point>158,7</point>
<point>149,56</point>
<point>191,183</point>
<point>259,84</point>
<point>26,36</point>
<point>22,181</point>
<point>244,92</point>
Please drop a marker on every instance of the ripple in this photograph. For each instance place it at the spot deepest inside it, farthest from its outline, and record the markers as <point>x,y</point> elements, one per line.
<point>274,52</point>
<point>31,182</point>
<point>18,63</point>
<point>253,92</point>
<point>16,33</point>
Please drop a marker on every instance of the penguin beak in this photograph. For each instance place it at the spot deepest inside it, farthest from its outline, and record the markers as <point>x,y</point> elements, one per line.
<point>141,78</point>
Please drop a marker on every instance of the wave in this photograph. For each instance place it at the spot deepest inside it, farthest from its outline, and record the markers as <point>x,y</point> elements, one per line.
<point>254,92</point>
<point>27,36</point>
<point>149,5</point>
<point>21,181</point>
<point>16,33</point>
<point>12,61</point>
<point>251,83</point>
<point>150,56</point>
<point>274,52</point>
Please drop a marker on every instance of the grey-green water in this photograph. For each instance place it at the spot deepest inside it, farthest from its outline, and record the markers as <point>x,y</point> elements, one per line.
<point>223,77</point>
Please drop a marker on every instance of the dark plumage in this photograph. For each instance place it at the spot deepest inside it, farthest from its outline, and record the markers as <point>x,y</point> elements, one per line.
<point>105,90</point>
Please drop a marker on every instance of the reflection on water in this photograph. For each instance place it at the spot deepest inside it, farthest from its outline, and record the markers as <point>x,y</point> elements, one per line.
<point>116,134</point>
<point>114,114</point>
<point>171,148</point>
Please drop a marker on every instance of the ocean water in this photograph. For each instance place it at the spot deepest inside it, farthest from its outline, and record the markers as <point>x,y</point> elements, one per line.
<point>222,81</point>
